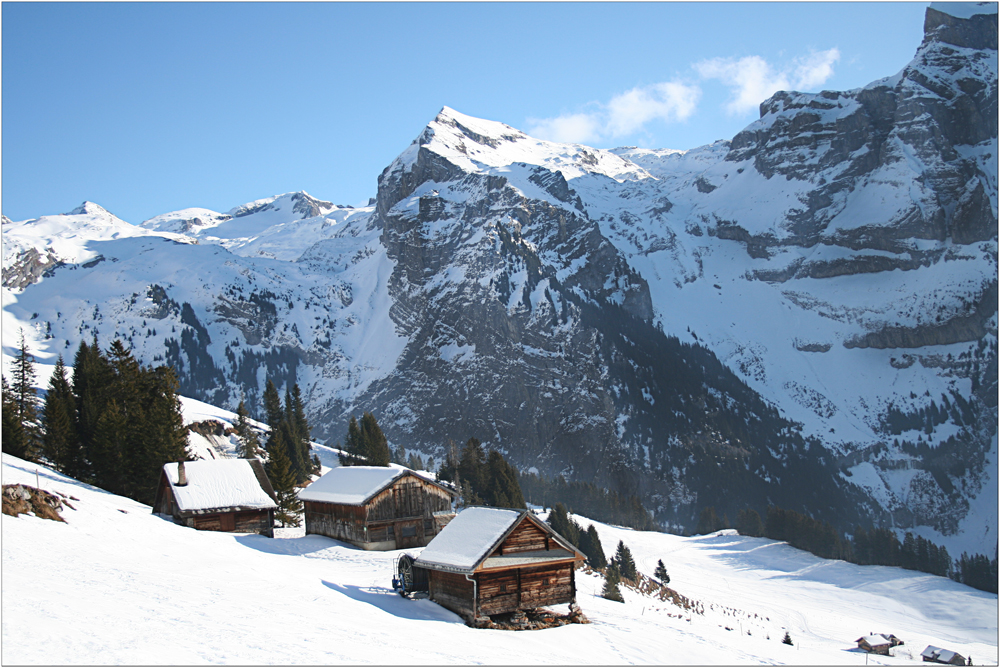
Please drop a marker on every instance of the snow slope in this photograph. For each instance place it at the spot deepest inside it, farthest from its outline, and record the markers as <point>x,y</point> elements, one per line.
<point>118,585</point>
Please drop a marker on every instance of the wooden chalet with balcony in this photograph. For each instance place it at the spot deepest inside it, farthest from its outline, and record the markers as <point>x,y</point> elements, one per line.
<point>491,561</point>
<point>377,507</point>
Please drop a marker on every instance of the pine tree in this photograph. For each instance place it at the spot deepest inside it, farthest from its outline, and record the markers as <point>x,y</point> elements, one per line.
<point>91,380</point>
<point>353,445</point>
<point>611,580</point>
<point>297,415</point>
<point>375,442</point>
<point>279,471</point>
<point>661,573</point>
<point>590,545</point>
<point>59,443</point>
<point>500,486</point>
<point>26,400</point>
<point>561,523</point>
<point>748,523</point>
<point>708,521</point>
<point>787,639</point>
<point>272,406</point>
<point>470,471</point>
<point>249,447</point>
<point>625,563</point>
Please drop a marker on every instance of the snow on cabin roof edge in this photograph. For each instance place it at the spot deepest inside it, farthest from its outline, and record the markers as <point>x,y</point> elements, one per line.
<point>356,485</point>
<point>218,484</point>
<point>465,541</point>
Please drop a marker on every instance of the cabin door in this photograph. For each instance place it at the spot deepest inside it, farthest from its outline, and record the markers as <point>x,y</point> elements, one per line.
<point>408,534</point>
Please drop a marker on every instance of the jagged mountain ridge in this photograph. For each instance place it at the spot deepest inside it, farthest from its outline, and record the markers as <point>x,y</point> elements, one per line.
<point>524,292</point>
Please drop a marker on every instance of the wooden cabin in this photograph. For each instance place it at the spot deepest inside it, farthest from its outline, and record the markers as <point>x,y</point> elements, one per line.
<point>938,655</point>
<point>218,495</point>
<point>491,561</point>
<point>878,643</point>
<point>377,507</point>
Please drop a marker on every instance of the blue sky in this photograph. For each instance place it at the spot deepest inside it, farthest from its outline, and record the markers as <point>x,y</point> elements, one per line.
<point>147,108</point>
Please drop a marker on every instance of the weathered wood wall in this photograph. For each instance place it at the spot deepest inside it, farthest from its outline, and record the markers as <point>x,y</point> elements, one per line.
<point>526,537</point>
<point>245,521</point>
<point>452,591</point>
<point>525,588</point>
<point>400,516</point>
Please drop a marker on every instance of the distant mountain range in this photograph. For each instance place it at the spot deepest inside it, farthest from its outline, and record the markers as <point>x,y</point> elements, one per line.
<point>805,315</point>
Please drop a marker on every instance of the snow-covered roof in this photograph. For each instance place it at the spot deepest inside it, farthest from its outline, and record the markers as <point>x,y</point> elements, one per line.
<point>216,484</point>
<point>938,654</point>
<point>354,485</point>
<point>874,640</point>
<point>466,540</point>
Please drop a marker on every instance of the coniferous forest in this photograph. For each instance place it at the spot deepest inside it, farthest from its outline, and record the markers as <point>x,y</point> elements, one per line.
<point>113,424</point>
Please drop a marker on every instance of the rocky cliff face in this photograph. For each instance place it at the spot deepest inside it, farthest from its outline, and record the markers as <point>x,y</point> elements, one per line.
<point>804,315</point>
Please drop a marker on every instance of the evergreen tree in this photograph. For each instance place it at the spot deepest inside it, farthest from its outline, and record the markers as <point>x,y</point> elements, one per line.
<point>612,578</point>
<point>353,445</point>
<point>109,450</point>
<point>561,523</point>
<point>787,639</point>
<point>272,406</point>
<point>249,447</point>
<point>301,424</point>
<point>59,443</point>
<point>14,441</point>
<point>708,521</point>
<point>470,471</point>
<point>279,471</point>
<point>375,442</point>
<point>25,398</point>
<point>661,573</point>
<point>500,486</point>
<point>748,523</point>
<point>91,380</point>
<point>625,563</point>
<point>590,545</point>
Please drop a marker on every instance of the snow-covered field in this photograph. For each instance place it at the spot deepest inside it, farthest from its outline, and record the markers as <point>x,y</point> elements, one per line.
<point>118,585</point>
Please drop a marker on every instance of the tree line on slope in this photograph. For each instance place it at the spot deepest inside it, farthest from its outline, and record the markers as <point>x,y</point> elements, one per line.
<point>588,499</point>
<point>114,424</point>
<point>875,546</point>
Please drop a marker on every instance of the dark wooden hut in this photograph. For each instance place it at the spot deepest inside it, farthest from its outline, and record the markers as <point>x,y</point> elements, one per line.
<point>377,507</point>
<point>878,643</point>
<point>937,655</point>
<point>218,495</point>
<point>491,561</point>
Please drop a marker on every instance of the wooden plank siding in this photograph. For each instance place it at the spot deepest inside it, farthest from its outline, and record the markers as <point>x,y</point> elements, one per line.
<point>525,588</point>
<point>397,517</point>
<point>526,537</point>
<point>454,592</point>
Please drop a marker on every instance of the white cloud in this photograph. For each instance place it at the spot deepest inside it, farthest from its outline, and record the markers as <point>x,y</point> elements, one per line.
<point>816,69</point>
<point>623,115</point>
<point>668,101</point>
<point>752,79</point>
<point>570,129</point>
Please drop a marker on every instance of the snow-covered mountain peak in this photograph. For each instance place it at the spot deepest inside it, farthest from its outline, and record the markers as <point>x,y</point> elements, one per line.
<point>477,146</point>
<point>89,208</point>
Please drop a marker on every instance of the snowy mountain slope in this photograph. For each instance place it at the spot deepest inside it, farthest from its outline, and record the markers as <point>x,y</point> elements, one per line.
<point>116,584</point>
<point>804,315</point>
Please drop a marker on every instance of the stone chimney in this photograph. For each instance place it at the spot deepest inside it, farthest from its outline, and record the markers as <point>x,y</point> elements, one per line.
<point>182,478</point>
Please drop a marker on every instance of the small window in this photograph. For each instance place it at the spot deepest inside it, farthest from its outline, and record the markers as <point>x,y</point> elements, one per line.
<point>409,531</point>
<point>503,588</point>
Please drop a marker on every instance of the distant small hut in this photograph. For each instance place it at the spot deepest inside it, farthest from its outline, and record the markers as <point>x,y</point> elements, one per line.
<point>878,643</point>
<point>491,561</point>
<point>938,655</point>
<point>218,495</point>
<point>377,507</point>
